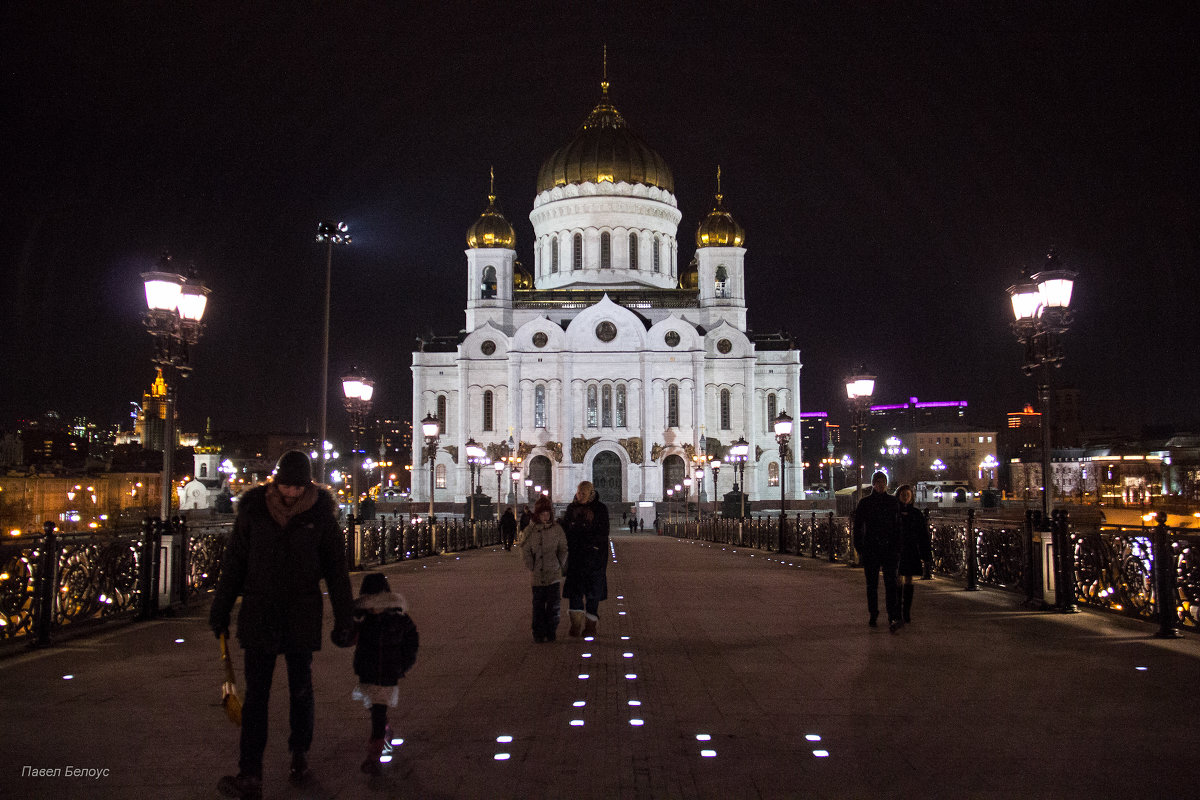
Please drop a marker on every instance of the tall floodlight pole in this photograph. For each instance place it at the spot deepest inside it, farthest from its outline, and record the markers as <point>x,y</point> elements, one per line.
<point>175,307</point>
<point>783,435</point>
<point>1041,305</point>
<point>328,233</point>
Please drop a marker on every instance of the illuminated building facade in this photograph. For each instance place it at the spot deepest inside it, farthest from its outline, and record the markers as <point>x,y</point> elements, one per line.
<point>615,359</point>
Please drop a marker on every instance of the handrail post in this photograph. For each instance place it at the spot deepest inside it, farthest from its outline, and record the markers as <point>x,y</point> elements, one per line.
<point>182,572</point>
<point>1164,580</point>
<point>45,587</point>
<point>832,551</point>
<point>1063,560</point>
<point>383,542</point>
<point>972,553</point>
<point>147,573</point>
<point>1030,560</point>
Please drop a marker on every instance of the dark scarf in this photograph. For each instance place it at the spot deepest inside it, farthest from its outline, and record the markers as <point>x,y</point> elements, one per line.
<point>281,513</point>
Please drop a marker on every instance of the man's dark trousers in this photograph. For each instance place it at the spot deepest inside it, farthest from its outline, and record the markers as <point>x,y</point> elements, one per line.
<point>872,566</point>
<point>260,669</point>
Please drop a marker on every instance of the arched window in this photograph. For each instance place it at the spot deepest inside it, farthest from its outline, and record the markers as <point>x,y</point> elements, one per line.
<point>577,252</point>
<point>672,259</point>
<point>633,251</point>
<point>592,421</point>
<point>488,290</point>
<point>539,406</point>
<point>606,407</point>
<point>725,410</point>
<point>439,476</point>
<point>441,414</point>
<point>606,250</point>
<point>722,281</point>
<point>771,412</point>
<point>620,406</point>
<point>203,471</point>
<point>554,254</point>
<point>487,410</point>
<point>772,474</point>
<point>657,254</point>
<point>673,406</point>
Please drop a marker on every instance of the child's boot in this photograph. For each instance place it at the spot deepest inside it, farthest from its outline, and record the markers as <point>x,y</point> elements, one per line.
<point>576,623</point>
<point>589,627</point>
<point>370,764</point>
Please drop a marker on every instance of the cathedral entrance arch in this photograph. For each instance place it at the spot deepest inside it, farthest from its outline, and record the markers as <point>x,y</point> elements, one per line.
<point>606,476</point>
<point>539,472</point>
<point>673,473</point>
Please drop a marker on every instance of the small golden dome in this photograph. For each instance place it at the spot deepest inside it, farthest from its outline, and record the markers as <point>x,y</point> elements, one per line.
<point>604,149</point>
<point>690,278</point>
<point>522,279</point>
<point>719,228</point>
<point>491,229</point>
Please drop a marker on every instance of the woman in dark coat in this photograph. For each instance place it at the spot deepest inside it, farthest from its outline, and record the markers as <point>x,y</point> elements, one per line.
<point>916,545</point>
<point>586,524</point>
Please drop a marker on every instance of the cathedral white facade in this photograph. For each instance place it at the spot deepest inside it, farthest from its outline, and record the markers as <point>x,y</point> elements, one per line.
<point>608,362</point>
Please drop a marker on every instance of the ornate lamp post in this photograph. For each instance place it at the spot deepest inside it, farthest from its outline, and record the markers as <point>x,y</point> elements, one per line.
<point>859,389</point>
<point>670,506</point>
<point>358,392</point>
<point>499,467</point>
<point>175,308</point>
<point>988,467</point>
<point>515,474</point>
<point>476,460</point>
<point>699,481</point>
<point>328,233</point>
<point>431,430</point>
<point>783,435</point>
<point>1041,306</point>
<point>716,471</point>
<point>738,453</point>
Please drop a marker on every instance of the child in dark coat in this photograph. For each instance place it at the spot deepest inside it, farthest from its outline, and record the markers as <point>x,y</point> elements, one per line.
<point>387,648</point>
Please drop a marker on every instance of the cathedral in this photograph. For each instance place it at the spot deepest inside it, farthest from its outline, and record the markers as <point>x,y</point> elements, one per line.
<point>607,361</point>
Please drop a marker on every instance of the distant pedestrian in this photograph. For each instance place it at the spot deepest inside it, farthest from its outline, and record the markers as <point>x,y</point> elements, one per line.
<point>915,548</point>
<point>657,524</point>
<point>285,540</point>
<point>641,525</point>
<point>544,551</point>
<point>586,521</point>
<point>508,528</point>
<point>387,649</point>
<point>633,524</point>
<point>877,539</point>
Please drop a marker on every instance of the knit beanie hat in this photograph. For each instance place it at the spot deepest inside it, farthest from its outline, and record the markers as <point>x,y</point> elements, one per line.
<point>374,583</point>
<point>293,469</point>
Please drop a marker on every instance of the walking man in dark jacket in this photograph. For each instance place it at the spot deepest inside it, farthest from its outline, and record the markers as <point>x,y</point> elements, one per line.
<point>877,538</point>
<point>508,528</point>
<point>286,539</point>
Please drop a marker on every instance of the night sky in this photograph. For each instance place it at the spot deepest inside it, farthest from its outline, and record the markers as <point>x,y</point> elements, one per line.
<point>894,166</point>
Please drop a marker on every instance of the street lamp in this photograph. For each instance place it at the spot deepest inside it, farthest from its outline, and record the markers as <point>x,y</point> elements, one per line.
<point>358,392</point>
<point>859,390</point>
<point>476,460</point>
<point>738,454</point>
<point>1041,310</point>
<point>328,233</point>
<point>699,481</point>
<point>988,467</point>
<point>175,307</point>
<point>670,506</point>
<point>499,467</point>
<point>431,429</point>
<point>783,435</point>
<point>1041,306</point>
<point>716,471</point>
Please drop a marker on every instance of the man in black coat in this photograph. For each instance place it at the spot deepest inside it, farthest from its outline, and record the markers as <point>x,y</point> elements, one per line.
<point>508,528</point>
<point>878,539</point>
<point>286,539</point>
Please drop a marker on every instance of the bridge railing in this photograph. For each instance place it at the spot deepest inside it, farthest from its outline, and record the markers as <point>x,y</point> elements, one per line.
<point>1111,567</point>
<point>59,582</point>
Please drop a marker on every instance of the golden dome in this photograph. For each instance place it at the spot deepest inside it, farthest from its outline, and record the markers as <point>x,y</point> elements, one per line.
<point>719,228</point>
<point>604,149</point>
<point>522,279</point>
<point>491,229</point>
<point>690,278</point>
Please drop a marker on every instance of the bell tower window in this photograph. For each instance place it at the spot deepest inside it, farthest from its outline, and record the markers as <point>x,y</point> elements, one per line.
<point>487,290</point>
<point>722,282</point>
<point>606,250</point>
<point>633,251</point>
<point>554,254</point>
<point>577,252</point>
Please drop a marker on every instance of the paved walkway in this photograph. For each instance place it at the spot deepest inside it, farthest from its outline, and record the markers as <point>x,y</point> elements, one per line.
<point>770,659</point>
